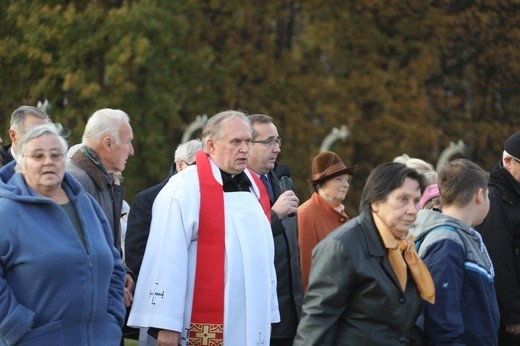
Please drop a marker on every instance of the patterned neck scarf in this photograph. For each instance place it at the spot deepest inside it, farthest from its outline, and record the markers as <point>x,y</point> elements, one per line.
<point>93,156</point>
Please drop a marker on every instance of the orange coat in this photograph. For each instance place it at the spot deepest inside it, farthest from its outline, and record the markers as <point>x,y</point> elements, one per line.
<point>316,219</point>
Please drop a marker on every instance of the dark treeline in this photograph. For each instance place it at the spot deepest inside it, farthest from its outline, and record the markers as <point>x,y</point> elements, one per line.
<point>404,77</point>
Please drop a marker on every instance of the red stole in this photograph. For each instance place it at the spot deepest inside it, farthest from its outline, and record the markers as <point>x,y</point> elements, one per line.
<point>207,317</point>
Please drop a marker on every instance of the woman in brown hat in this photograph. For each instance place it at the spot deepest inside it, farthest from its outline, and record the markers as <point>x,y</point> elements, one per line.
<point>323,212</point>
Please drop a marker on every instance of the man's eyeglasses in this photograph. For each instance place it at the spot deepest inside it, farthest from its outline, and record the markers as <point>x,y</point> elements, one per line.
<point>269,141</point>
<point>39,157</point>
<point>515,159</point>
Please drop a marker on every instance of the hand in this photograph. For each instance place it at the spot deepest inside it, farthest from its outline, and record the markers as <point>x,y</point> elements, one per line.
<point>129,283</point>
<point>129,289</point>
<point>286,204</point>
<point>513,329</point>
<point>168,338</point>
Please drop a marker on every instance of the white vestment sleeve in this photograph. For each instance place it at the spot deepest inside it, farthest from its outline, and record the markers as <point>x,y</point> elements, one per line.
<point>160,295</point>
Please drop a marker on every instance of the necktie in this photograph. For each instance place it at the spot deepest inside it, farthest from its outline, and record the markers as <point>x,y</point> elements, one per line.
<point>268,187</point>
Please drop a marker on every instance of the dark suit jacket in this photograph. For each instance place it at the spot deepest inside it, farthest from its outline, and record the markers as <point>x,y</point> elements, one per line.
<point>288,274</point>
<point>5,155</point>
<point>354,297</point>
<point>138,226</point>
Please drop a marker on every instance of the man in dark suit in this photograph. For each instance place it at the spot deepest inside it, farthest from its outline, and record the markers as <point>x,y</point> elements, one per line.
<point>263,151</point>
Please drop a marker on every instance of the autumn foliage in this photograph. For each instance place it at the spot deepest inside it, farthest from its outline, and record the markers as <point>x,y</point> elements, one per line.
<point>404,77</point>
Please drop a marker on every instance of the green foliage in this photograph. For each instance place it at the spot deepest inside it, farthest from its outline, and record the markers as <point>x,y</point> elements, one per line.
<point>405,77</point>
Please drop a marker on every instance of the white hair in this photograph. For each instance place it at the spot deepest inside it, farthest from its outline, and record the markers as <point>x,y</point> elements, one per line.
<point>102,122</point>
<point>186,151</point>
<point>421,166</point>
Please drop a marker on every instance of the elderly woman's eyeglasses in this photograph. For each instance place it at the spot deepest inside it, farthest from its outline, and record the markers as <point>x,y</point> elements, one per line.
<point>270,142</point>
<point>40,156</point>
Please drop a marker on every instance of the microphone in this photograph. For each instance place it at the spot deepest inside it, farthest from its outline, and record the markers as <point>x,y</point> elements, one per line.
<point>286,183</point>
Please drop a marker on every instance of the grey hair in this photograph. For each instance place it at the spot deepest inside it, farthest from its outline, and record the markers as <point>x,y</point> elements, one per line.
<point>21,113</point>
<point>213,128</point>
<point>186,151</point>
<point>421,166</point>
<point>102,122</point>
<point>38,131</point>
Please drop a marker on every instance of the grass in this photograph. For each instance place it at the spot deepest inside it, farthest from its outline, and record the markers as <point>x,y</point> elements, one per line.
<point>130,342</point>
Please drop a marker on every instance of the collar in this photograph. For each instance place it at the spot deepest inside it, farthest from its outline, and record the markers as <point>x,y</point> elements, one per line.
<point>388,238</point>
<point>342,216</point>
<point>88,160</point>
<point>238,182</point>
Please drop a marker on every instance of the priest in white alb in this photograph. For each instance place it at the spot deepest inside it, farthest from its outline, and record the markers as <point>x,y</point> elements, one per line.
<point>208,276</point>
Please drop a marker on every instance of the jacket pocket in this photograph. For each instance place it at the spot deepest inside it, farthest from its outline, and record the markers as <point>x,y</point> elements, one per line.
<point>48,334</point>
<point>109,331</point>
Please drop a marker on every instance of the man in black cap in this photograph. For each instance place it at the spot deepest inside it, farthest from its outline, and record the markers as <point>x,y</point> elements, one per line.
<point>501,234</point>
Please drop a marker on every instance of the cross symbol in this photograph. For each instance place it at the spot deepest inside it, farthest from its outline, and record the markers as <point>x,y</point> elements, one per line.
<point>155,293</point>
<point>205,335</point>
<point>260,339</point>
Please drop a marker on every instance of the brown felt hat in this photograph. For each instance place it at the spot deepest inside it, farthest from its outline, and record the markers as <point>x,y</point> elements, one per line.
<point>326,165</point>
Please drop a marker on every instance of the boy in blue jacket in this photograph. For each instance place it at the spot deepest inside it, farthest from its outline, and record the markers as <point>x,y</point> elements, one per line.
<point>465,310</point>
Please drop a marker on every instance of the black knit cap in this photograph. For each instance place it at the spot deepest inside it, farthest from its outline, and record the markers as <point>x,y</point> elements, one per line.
<point>513,145</point>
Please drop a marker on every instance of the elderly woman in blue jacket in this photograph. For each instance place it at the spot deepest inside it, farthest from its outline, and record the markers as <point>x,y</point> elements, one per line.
<point>61,279</point>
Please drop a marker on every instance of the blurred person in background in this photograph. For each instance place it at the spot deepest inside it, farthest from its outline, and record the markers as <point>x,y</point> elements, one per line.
<point>125,209</point>
<point>324,211</point>
<point>430,198</point>
<point>62,280</point>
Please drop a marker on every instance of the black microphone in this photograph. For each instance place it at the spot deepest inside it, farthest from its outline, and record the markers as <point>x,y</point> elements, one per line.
<point>286,183</point>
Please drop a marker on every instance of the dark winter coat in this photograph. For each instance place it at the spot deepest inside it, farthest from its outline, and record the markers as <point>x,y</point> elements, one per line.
<point>501,234</point>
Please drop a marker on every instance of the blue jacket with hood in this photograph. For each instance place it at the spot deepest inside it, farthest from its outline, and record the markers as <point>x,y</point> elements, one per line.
<point>465,310</point>
<point>53,289</point>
